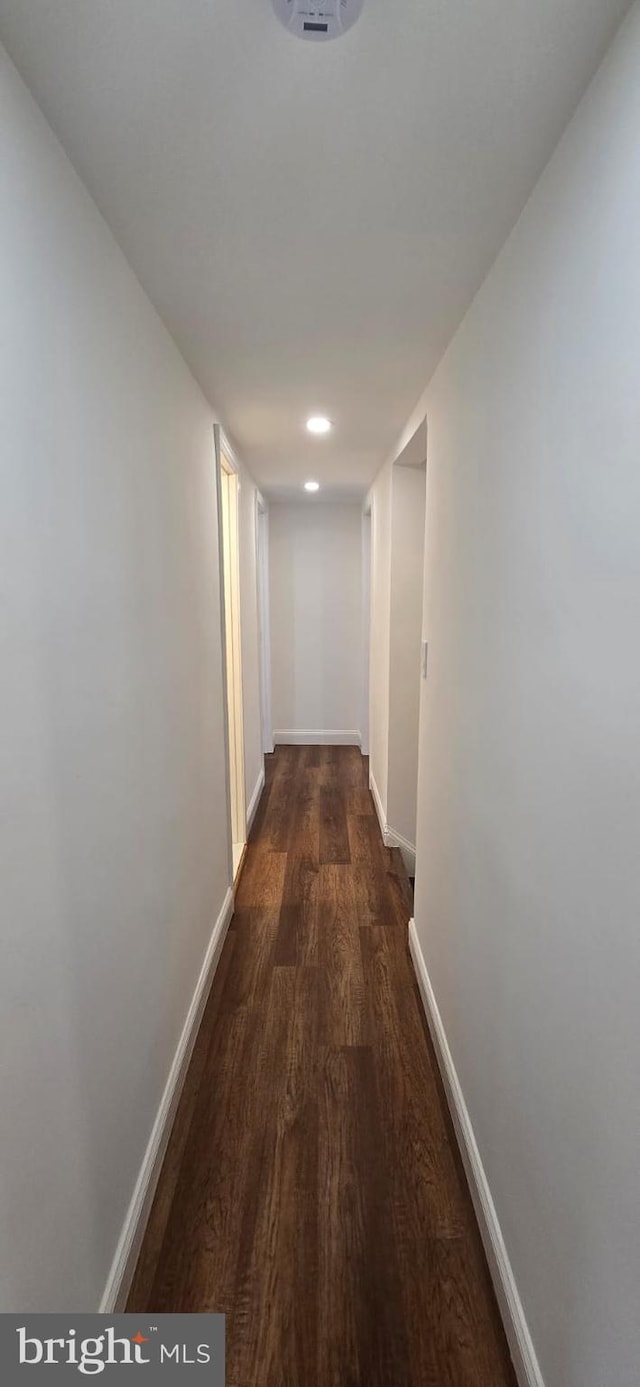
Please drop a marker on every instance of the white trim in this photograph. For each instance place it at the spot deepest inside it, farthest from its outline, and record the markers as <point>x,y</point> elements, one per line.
<point>390,836</point>
<point>217,445</point>
<point>264,619</point>
<point>315,737</point>
<point>228,502</point>
<point>393,839</point>
<point>255,800</point>
<point>130,1241</point>
<point>366,533</point>
<point>226,448</point>
<point>377,800</point>
<point>523,1353</point>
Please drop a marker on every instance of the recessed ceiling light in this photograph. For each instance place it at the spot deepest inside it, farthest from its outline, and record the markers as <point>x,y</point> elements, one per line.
<point>318,424</point>
<point>312,486</point>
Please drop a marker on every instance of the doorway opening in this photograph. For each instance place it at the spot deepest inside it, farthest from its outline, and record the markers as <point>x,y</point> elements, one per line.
<point>365,711</point>
<point>232,646</point>
<point>264,635</point>
<point>405,644</point>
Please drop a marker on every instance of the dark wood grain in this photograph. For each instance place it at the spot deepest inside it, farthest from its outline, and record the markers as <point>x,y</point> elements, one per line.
<point>340,954</point>
<point>312,1189</point>
<point>334,835</point>
<point>361,1336</point>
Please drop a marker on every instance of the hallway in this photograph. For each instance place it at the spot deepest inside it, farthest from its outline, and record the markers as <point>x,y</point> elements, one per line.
<point>297,455</point>
<point>312,1190</point>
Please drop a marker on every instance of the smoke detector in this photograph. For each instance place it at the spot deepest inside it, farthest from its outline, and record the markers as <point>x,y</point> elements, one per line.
<point>317,19</point>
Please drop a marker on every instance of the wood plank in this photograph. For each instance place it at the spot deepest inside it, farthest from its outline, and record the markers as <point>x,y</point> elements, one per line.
<point>358,800</point>
<point>140,1294</point>
<point>262,878</point>
<point>312,1189</point>
<point>297,935</point>
<point>276,1287</point>
<point>197,1267</point>
<point>467,1341</point>
<point>334,836</point>
<point>428,1197</point>
<point>340,955</point>
<point>381,896</point>
<point>361,1337</point>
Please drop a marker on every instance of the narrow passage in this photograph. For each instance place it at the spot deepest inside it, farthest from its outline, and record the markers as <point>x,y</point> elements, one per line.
<point>312,1189</point>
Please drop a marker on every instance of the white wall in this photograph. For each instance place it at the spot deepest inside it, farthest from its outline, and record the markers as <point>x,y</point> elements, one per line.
<point>316,618</point>
<point>114,837</point>
<point>528,886</point>
<point>397,503</point>
<point>407,564</point>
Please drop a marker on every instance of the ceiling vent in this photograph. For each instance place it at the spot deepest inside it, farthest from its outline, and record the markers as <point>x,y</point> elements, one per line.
<point>317,19</point>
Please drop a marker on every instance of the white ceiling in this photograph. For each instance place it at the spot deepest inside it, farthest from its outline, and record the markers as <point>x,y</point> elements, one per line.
<point>310,219</point>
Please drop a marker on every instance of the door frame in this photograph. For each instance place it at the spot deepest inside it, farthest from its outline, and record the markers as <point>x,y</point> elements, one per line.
<point>226,466</point>
<point>264,626</point>
<point>367,569</point>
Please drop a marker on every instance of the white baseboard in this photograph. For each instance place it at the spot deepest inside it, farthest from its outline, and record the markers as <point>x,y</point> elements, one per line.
<point>390,837</point>
<point>128,1249</point>
<point>393,839</point>
<point>520,1343</point>
<point>255,800</point>
<point>317,737</point>
<point>382,818</point>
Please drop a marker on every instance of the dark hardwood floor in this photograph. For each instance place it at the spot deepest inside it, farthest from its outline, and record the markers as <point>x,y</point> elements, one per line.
<point>312,1189</point>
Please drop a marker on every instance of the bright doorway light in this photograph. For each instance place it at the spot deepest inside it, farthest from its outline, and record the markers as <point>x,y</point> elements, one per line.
<point>319,424</point>
<point>312,486</point>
